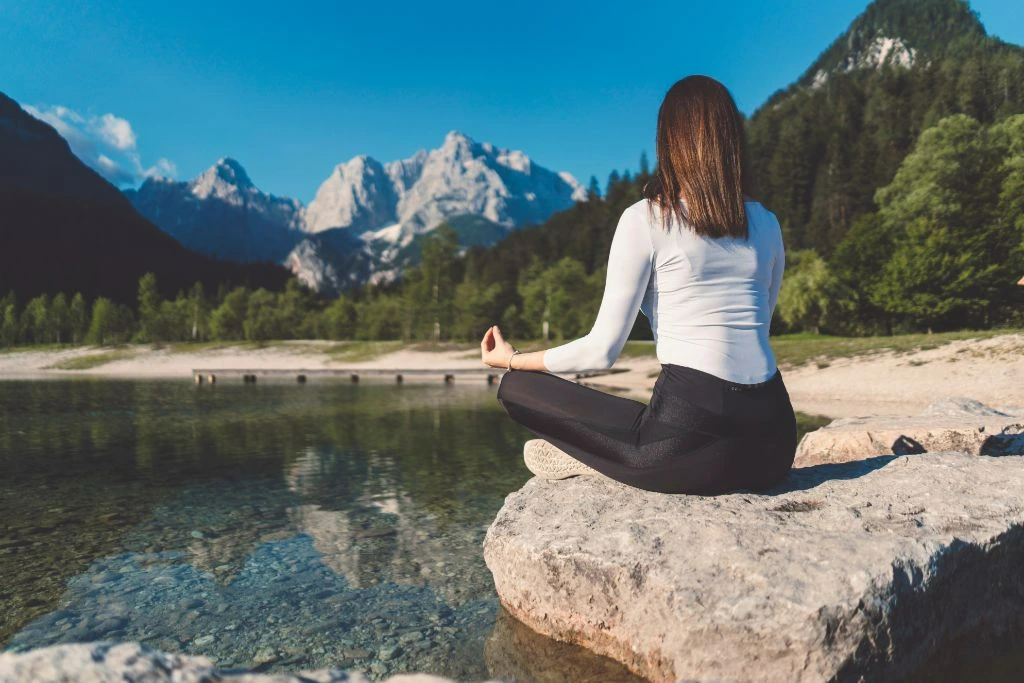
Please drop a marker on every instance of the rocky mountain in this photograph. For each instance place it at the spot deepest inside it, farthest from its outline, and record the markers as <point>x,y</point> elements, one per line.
<point>63,228</point>
<point>896,33</point>
<point>820,147</point>
<point>367,218</point>
<point>221,213</point>
<point>484,189</point>
<point>462,177</point>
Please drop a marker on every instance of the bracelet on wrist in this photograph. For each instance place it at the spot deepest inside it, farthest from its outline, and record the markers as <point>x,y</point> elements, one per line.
<point>514,352</point>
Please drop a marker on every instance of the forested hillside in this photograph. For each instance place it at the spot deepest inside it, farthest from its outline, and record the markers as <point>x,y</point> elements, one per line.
<point>821,147</point>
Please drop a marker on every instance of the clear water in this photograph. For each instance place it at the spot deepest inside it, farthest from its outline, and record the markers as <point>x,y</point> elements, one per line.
<point>275,526</point>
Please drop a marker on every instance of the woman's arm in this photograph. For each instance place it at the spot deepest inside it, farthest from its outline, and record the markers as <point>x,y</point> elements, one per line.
<point>629,270</point>
<point>630,261</point>
<point>778,267</point>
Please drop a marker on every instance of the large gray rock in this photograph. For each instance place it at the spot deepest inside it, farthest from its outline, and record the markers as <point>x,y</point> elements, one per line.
<point>865,569</point>
<point>953,424</point>
<point>135,663</point>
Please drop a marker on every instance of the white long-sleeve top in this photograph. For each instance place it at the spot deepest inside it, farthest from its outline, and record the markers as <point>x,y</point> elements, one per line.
<point>709,301</point>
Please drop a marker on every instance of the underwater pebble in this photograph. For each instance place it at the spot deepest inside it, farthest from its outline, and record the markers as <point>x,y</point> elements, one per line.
<point>388,653</point>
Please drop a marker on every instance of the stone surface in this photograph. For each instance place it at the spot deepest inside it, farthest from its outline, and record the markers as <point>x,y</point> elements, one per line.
<point>135,663</point>
<point>868,569</point>
<point>952,424</point>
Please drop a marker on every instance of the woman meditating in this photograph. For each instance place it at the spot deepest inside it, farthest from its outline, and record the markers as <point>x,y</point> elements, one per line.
<point>704,263</point>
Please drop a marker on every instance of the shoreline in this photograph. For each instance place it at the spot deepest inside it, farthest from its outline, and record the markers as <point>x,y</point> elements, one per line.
<point>885,383</point>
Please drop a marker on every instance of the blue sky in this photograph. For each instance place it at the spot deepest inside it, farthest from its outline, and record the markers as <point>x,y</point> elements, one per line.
<point>291,89</point>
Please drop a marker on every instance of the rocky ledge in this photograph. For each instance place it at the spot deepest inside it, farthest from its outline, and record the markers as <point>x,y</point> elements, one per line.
<point>954,424</point>
<point>864,570</point>
<point>135,663</point>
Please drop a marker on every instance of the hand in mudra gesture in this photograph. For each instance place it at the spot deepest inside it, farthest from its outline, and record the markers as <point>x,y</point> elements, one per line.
<point>494,350</point>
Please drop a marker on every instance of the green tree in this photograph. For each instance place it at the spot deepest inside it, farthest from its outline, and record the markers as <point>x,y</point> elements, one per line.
<point>78,318</point>
<point>103,323</point>
<point>295,308</point>
<point>936,278</point>
<point>36,320</point>
<point>198,313</point>
<point>340,319</point>
<point>9,320</point>
<point>856,263</point>
<point>151,326</point>
<point>559,299</point>
<point>430,287</point>
<point>381,316</point>
<point>954,255</point>
<point>228,319</point>
<point>60,317</point>
<point>263,319</point>
<point>810,295</point>
<point>476,308</point>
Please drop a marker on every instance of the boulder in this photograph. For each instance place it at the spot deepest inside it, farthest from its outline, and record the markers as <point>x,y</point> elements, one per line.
<point>953,424</point>
<point>862,570</point>
<point>132,662</point>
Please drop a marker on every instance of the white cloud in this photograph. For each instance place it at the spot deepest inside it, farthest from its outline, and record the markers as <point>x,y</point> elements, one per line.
<point>106,143</point>
<point>116,131</point>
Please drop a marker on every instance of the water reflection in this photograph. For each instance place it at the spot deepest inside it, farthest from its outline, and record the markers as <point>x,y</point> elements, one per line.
<point>275,526</point>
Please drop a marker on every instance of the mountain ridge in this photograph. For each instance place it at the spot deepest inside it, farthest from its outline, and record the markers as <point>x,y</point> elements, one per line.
<point>386,205</point>
<point>66,229</point>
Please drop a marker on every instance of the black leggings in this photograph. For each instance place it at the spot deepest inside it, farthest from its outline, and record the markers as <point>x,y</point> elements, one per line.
<point>699,434</point>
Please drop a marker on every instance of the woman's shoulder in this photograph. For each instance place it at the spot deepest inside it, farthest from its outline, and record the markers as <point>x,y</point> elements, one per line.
<point>757,208</point>
<point>758,215</point>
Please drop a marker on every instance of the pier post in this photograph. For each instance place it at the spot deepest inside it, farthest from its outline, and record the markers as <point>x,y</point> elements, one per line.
<point>398,378</point>
<point>301,379</point>
<point>211,378</point>
<point>490,379</point>
<point>354,377</point>
<point>198,378</point>
<point>448,379</point>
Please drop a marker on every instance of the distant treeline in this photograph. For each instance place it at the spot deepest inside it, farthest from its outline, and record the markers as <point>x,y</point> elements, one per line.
<point>943,250</point>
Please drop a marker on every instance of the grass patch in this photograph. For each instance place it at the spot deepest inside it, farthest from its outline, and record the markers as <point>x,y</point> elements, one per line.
<point>34,347</point>
<point>638,349</point>
<point>359,351</point>
<point>93,360</point>
<point>204,346</point>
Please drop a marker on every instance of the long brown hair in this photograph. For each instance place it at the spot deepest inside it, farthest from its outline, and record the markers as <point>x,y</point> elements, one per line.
<point>700,178</point>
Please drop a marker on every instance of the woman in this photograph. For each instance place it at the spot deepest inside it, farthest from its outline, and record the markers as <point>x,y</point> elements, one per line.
<point>704,264</point>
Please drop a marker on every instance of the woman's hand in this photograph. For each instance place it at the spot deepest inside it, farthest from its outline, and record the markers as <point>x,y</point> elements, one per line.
<point>494,350</point>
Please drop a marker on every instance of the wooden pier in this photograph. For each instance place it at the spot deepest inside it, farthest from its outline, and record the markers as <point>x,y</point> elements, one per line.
<point>398,375</point>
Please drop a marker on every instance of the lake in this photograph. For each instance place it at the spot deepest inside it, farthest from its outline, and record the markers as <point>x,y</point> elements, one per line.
<point>272,526</point>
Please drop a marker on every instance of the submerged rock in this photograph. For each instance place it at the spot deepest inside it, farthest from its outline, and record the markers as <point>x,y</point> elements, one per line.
<point>131,662</point>
<point>863,570</point>
<point>953,424</point>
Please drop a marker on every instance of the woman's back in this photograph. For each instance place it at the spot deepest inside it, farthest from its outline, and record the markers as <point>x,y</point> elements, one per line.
<point>710,300</point>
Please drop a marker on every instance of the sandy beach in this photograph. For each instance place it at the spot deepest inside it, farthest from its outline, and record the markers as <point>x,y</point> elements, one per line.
<point>882,383</point>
